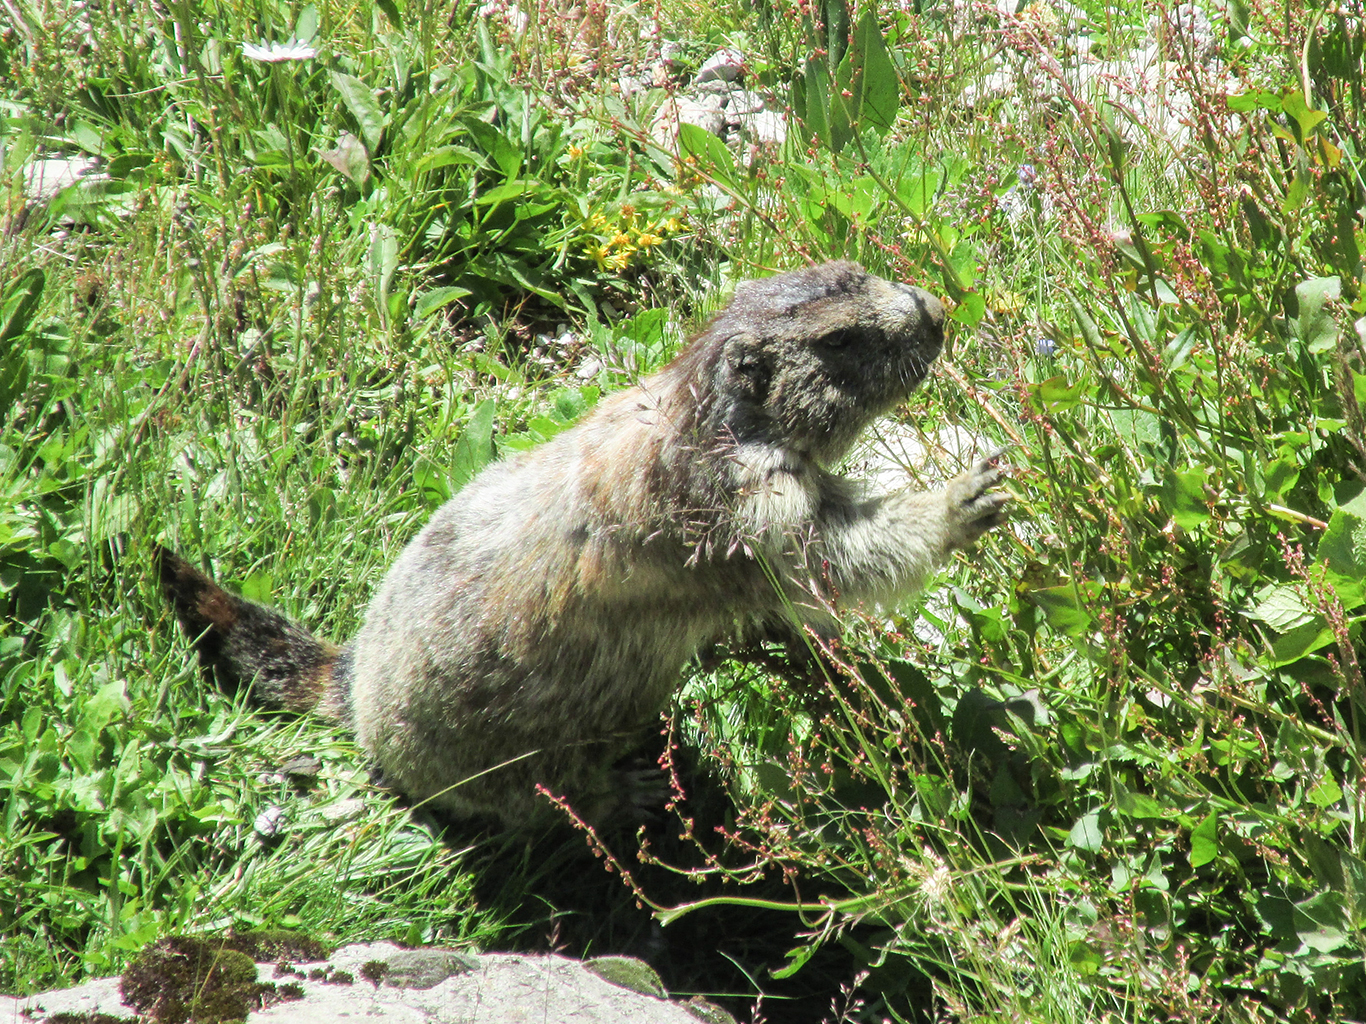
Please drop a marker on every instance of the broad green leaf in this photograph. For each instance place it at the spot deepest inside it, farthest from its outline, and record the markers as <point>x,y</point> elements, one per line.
<point>364,107</point>
<point>1061,608</point>
<point>811,100</point>
<point>1306,117</point>
<point>431,481</point>
<point>108,701</point>
<point>1087,834</point>
<point>21,299</point>
<point>257,587</point>
<point>1301,641</point>
<point>867,73</point>
<point>1089,331</point>
<point>435,298</point>
<point>508,190</point>
<point>474,449</point>
<point>1055,395</point>
<point>350,158</point>
<point>383,260</point>
<point>1185,498</point>
<point>1315,325</point>
<point>970,309</point>
<point>1280,476</point>
<point>1296,193</point>
<point>1137,805</point>
<point>1179,349</point>
<point>449,156</point>
<point>711,154</point>
<point>1205,840</point>
<point>1255,99</point>
<point>1321,922</point>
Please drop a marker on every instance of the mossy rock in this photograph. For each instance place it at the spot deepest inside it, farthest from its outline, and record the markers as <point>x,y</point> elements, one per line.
<point>184,979</point>
<point>275,944</point>
<point>628,972</point>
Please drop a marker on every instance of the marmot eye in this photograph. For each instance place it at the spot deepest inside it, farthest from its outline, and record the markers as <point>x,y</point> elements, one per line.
<point>846,337</point>
<point>839,339</point>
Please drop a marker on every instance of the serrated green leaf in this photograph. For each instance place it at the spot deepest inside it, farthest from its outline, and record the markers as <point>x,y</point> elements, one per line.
<point>1281,608</point>
<point>1342,552</point>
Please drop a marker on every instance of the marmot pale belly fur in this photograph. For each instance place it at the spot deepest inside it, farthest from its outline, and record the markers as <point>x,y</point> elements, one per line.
<point>542,618</point>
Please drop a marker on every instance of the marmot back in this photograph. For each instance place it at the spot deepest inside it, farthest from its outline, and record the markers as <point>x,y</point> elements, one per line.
<point>543,616</point>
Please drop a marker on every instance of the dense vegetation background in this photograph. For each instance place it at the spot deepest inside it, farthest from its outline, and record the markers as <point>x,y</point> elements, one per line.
<point>1110,767</point>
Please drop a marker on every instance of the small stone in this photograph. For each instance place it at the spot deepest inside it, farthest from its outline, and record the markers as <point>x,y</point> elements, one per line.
<point>426,968</point>
<point>269,822</point>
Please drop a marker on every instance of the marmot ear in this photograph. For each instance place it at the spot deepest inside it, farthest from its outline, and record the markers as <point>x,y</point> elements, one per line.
<point>747,367</point>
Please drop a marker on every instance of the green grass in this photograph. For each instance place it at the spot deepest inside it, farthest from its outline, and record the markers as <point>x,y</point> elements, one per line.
<point>1109,767</point>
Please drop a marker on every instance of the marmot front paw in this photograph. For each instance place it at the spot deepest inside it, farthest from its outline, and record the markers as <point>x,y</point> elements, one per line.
<point>973,507</point>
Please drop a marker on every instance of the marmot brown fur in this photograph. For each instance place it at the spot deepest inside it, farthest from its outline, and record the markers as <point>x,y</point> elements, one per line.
<point>543,616</point>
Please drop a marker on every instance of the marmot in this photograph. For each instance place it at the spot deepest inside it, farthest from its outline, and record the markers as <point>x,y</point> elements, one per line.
<point>543,617</point>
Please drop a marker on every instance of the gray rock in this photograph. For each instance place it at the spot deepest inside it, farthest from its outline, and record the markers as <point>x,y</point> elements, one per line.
<point>705,112</point>
<point>728,65</point>
<point>671,53</point>
<point>743,101</point>
<point>763,126</point>
<point>381,983</point>
<point>44,178</point>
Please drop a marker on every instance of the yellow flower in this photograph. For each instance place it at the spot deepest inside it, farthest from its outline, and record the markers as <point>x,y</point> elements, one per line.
<point>596,222</point>
<point>673,225</point>
<point>575,151</point>
<point>600,254</point>
<point>645,240</point>
<point>621,240</point>
<point>617,260</point>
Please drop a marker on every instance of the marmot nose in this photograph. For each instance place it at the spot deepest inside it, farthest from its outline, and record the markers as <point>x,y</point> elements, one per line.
<point>932,306</point>
<point>926,302</point>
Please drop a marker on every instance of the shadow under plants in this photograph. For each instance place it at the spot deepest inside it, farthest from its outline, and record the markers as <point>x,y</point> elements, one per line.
<point>556,895</point>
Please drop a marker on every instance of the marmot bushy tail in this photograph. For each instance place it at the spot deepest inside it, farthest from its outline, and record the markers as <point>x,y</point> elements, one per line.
<point>244,643</point>
<point>542,618</point>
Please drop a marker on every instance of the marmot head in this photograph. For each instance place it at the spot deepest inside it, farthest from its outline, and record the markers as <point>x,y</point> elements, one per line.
<point>809,358</point>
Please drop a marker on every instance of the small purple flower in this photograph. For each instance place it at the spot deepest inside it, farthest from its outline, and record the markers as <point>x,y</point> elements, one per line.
<point>1046,347</point>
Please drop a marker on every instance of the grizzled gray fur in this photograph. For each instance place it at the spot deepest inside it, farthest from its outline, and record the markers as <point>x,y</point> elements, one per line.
<point>543,616</point>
